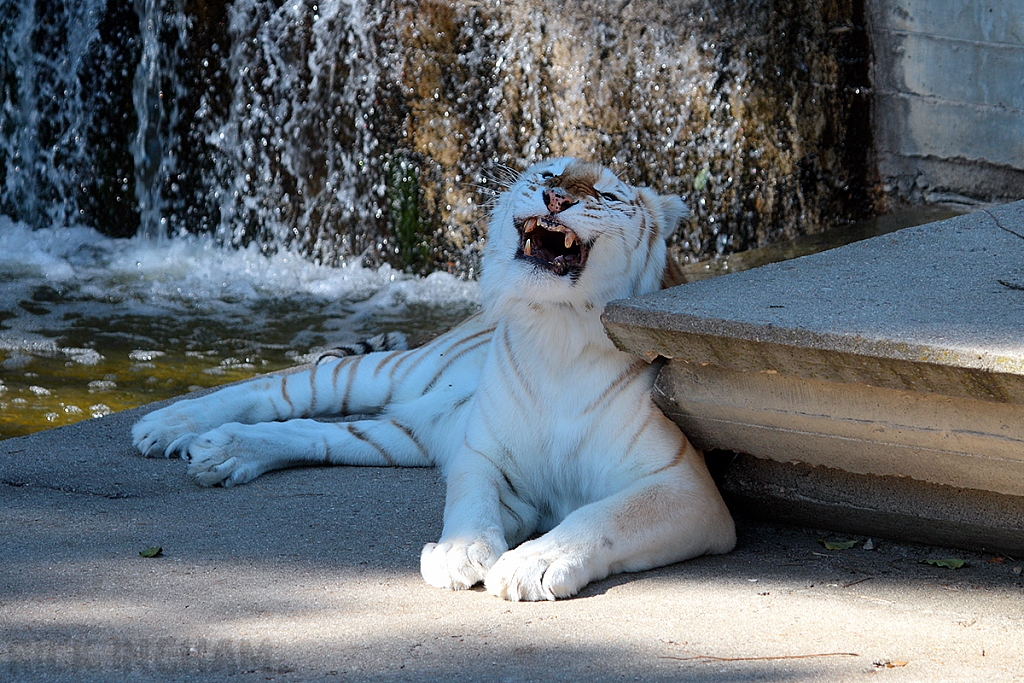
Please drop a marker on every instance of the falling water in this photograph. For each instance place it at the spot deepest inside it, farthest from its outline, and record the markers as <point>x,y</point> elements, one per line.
<point>157,96</point>
<point>363,128</point>
<point>357,141</point>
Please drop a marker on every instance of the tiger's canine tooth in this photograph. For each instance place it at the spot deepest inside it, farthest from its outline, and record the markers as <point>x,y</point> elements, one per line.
<point>570,237</point>
<point>527,248</point>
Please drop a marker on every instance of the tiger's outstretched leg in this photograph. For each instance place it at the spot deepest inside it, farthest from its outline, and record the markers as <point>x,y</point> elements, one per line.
<point>238,453</point>
<point>357,384</point>
<point>352,385</point>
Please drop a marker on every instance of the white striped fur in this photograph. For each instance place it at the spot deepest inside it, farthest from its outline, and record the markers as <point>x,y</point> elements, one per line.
<point>542,428</point>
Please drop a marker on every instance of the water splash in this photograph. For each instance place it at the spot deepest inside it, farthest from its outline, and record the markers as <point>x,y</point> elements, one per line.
<point>43,109</point>
<point>295,151</point>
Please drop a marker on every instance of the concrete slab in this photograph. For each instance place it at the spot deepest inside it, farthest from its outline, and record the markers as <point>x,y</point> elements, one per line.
<point>899,356</point>
<point>312,575</point>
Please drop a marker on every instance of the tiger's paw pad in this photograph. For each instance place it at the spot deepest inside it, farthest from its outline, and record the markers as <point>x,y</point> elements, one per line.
<point>459,564</point>
<point>536,570</point>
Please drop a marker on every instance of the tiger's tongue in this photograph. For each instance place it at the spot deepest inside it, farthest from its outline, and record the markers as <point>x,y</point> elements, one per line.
<point>562,264</point>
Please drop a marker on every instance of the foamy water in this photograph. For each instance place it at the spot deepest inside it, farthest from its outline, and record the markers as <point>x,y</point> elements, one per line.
<point>90,324</point>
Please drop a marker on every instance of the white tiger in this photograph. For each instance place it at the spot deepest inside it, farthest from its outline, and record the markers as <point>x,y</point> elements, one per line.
<point>538,422</point>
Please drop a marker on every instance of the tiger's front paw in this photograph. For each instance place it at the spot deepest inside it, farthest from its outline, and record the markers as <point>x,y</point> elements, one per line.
<point>538,570</point>
<point>461,563</point>
<point>167,431</point>
<point>228,455</point>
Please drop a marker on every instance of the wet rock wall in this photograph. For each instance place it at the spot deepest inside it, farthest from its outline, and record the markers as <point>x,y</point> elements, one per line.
<point>382,129</point>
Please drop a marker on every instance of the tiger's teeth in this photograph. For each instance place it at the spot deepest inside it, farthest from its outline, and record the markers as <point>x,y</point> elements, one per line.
<point>569,239</point>
<point>527,249</point>
<point>530,224</point>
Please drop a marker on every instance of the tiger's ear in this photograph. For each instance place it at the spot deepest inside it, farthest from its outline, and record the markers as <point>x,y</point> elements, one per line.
<point>668,210</point>
<point>673,209</point>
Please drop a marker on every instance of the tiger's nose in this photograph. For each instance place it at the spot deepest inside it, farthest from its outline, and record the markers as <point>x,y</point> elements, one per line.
<point>557,199</point>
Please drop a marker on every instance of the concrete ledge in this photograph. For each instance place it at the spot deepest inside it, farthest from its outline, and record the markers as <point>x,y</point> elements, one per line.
<point>855,427</point>
<point>900,358</point>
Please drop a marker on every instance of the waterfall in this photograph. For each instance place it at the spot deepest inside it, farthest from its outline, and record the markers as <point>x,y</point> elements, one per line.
<point>65,73</point>
<point>365,129</point>
<point>157,95</point>
<point>297,141</point>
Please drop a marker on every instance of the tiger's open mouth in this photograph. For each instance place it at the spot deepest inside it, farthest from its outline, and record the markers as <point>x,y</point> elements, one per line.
<point>549,244</point>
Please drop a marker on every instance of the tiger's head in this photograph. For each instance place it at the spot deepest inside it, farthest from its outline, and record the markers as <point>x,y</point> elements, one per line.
<point>570,232</point>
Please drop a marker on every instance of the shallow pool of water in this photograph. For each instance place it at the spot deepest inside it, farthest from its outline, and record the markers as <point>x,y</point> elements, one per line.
<point>90,325</point>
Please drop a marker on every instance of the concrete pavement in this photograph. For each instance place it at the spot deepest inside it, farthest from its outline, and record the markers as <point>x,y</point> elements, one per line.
<point>313,575</point>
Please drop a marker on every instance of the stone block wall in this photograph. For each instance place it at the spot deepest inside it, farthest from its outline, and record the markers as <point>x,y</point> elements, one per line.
<point>948,85</point>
